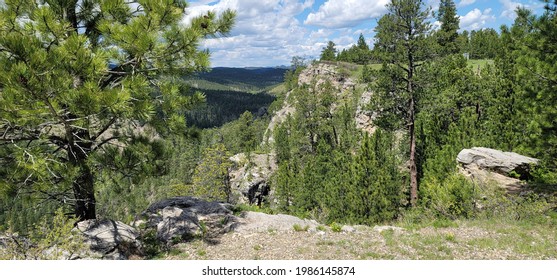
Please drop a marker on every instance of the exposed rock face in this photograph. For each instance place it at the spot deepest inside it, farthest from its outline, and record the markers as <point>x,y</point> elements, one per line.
<point>486,166</point>
<point>249,177</point>
<point>249,180</point>
<point>109,239</point>
<point>181,218</point>
<point>364,117</point>
<point>278,118</point>
<point>344,85</point>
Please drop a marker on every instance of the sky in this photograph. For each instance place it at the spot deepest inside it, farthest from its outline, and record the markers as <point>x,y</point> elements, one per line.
<point>270,32</point>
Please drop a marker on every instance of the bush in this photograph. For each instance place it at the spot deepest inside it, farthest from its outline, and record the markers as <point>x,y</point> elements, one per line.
<point>51,239</point>
<point>530,207</point>
<point>451,198</point>
<point>336,227</point>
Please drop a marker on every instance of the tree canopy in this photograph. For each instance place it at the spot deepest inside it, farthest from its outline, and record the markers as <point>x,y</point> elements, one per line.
<point>86,85</point>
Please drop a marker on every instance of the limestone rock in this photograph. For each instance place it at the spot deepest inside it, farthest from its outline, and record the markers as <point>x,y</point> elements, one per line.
<point>250,176</point>
<point>180,218</point>
<point>493,167</point>
<point>364,118</point>
<point>110,239</point>
<point>496,161</point>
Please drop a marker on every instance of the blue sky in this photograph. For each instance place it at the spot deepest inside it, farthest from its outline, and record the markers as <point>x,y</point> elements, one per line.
<point>271,32</point>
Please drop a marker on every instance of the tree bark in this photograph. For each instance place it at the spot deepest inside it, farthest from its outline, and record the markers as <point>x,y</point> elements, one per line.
<point>83,185</point>
<point>84,193</point>
<point>412,132</point>
<point>413,168</point>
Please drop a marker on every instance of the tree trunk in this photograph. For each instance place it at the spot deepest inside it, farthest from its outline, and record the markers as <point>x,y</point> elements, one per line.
<point>412,132</point>
<point>83,185</point>
<point>413,168</point>
<point>84,193</point>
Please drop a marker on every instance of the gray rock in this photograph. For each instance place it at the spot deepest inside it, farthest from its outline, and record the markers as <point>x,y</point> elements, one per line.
<point>496,161</point>
<point>249,177</point>
<point>192,204</point>
<point>347,228</point>
<point>110,239</point>
<point>181,218</point>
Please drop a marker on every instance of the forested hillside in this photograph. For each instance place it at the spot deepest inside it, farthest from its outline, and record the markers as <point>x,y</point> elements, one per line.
<point>229,92</point>
<point>102,124</point>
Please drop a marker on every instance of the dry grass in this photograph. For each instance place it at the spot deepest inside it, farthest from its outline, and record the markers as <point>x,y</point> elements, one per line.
<point>464,240</point>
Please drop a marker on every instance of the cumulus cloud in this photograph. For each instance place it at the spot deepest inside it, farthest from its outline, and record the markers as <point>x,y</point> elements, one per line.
<point>509,8</point>
<point>346,13</point>
<point>464,3</point>
<point>476,19</point>
<point>266,32</point>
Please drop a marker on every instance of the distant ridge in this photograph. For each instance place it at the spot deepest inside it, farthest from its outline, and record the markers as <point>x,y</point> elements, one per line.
<point>260,77</point>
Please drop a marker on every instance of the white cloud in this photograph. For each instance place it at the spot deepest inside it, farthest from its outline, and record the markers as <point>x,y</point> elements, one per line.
<point>464,3</point>
<point>266,32</point>
<point>346,13</point>
<point>509,8</point>
<point>476,19</point>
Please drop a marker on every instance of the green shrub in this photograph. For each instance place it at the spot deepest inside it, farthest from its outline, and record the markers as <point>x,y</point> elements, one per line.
<point>336,227</point>
<point>298,227</point>
<point>51,239</point>
<point>451,198</point>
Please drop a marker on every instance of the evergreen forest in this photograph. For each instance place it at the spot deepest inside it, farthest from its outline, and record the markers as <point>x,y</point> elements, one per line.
<point>105,109</point>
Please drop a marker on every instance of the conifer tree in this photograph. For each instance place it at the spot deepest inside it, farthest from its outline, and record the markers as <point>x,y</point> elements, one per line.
<point>329,52</point>
<point>375,192</point>
<point>402,44</point>
<point>80,80</point>
<point>448,34</point>
<point>537,73</point>
<point>211,176</point>
<point>363,54</point>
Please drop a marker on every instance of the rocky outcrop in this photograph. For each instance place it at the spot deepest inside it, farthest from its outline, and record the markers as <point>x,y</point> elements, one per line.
<point>364,117</point>
<point>108,239</point>
<point>250,176</point>
<point>496,161</point>
<point>180,219</point>
<point>488,166</point>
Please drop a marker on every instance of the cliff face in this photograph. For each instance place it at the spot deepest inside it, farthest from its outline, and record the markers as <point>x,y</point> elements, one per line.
<point>250,175</point>
<point>346,88</point>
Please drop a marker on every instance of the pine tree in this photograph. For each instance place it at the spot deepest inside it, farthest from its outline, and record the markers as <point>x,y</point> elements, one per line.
<point>246,134</point>
<point>211,176</point>
<point>402,44</point>
<point>448,34</point>
<point>329,52</point>
<point>375,191</point>
<point>363,54</point>
<point>79,78</point>
<point>537,73</point>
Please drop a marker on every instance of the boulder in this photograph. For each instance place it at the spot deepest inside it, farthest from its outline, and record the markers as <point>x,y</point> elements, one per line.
<point>181,218</point>
<point>503,169</point>
<point>108,239</point>
<point>496,161</point>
